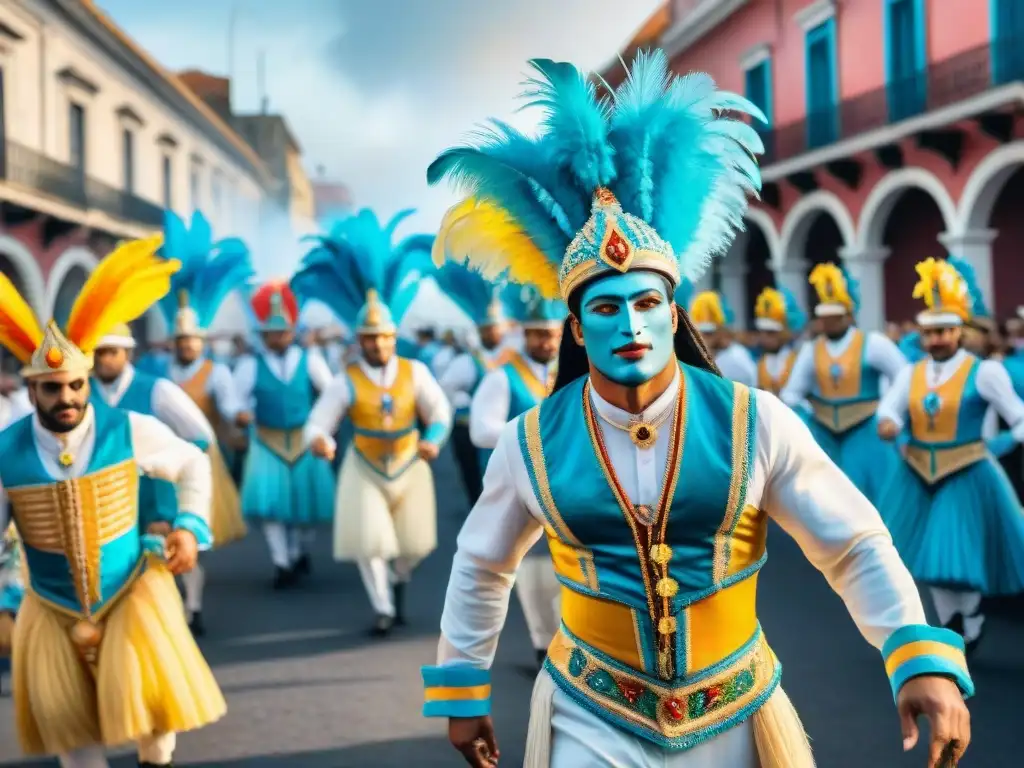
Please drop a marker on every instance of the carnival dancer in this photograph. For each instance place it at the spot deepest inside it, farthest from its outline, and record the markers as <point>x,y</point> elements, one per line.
<point>951,509</point>
<point>713,319</point>
<point>840,374</point>
<point>12,591</point>
<point>284,487</point>
<point>660,660</point>
<point>481,300</point>
<point>386,516</point>
<point>505,393</point>
<point>211,272</point>
<point>102,653</point>
<point>779,321</point>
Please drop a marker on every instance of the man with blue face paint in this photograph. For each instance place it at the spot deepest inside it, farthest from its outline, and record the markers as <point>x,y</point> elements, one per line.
<point>713,318</point>
<point>651,475</point>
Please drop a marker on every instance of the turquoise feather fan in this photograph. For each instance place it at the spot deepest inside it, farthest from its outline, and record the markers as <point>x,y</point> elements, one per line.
<point>210,271</point>
<point>796,318</point>
<point>978,308</point>
<point>358,255</point>
<point>469,290</point>
<point>665,146</point>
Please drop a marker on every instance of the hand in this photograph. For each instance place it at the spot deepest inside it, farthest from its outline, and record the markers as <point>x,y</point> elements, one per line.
<point>887,430</point>
<point>322,448</point>
<point>181,551</point>
<point>474,738</point>
<point>159,529</point>
<point>939,700</point>
<point>428,451</point>
<point>243,419</point>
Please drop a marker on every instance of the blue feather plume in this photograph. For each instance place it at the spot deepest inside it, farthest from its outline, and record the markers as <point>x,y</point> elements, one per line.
<point>358,255</point>
<point>852,288</point>
<point>471,292</point>
<point>978,308</point>
<point>796,318</point>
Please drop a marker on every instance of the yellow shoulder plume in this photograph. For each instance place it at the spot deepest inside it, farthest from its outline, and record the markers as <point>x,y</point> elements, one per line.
<point>707,308</point>
<point>20,332</point>
<point>126,283</point>
<point>771,305</point>
<point>488,238</point>
<point>942,288</point>
<point>830,285</point>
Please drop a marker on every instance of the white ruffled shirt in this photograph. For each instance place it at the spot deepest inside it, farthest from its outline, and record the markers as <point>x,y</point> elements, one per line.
<point>488,411</point>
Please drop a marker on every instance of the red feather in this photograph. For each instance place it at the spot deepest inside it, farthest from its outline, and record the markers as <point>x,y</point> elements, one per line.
<point>261,300</point>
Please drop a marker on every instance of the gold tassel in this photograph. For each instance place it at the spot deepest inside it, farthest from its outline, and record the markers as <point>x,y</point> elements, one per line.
<point>780,736</point>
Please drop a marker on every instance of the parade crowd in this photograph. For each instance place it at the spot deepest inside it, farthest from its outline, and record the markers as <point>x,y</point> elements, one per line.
<point>121,466</point>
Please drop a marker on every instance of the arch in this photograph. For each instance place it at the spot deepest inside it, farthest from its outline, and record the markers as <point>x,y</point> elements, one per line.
<point>65,265</point>
<point>763,221</point>
<point>801,218</point>
<point>984,185</point>
<point>883,197</point>
<point>31,275</point>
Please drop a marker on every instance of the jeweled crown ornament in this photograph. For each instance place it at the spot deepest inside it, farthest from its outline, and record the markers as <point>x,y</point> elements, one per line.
<point>56,354</point>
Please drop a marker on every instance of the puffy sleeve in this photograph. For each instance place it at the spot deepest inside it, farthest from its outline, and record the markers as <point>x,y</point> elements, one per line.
<point>431,404</point>
<point>488,412</point>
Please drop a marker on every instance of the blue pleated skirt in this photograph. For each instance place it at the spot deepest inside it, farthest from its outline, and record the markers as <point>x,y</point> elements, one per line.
<point>964,532</point>
<point>862,455</point>
<point>294,494</point>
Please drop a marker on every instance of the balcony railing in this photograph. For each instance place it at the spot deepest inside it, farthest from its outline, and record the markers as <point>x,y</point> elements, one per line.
<point>941,84</point>
<point>29,168</point>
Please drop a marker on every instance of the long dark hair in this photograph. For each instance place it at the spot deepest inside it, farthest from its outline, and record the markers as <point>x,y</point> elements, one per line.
<point>690,349</point>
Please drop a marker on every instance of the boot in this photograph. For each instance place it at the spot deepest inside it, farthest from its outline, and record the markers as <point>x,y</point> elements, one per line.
<point>399,593</point>
<point>196,624</point>
<point>382,626</point>
<point>283,577</point>
<point>303,566</point>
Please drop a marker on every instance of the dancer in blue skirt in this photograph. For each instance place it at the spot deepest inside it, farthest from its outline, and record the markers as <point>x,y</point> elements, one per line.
<point>950,507</point>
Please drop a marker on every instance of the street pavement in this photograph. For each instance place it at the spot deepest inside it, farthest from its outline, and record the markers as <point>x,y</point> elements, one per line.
<point>307,688</point>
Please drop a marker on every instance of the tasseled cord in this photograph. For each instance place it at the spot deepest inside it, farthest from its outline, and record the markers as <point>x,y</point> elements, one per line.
<point>778,733</point>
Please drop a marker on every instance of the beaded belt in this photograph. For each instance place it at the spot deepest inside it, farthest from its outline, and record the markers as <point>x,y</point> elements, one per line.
<point>840,418</point>
<point>934,464</point>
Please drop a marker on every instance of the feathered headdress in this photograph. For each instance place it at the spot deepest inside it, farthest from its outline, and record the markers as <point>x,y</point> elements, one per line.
<point>776,309</point>
<point>210,272</point>
<point>710,311</point>
<point>122,287</point>
<point>275,306</point>
<point>946,293</point>
<point>656,177</point>
<point>837,291</point>
<point>357,271</point>
<point>528,307</point>
<point>478,297</point>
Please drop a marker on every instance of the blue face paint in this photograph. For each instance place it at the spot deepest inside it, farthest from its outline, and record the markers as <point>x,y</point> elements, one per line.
<point>620,310</point>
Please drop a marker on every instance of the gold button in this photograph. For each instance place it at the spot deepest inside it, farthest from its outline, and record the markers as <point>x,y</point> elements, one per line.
<point>666,625</point>
<point>667,587</point>
<point>661,554</point>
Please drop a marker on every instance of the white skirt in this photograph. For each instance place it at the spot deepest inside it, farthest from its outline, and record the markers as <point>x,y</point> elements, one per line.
<point>377,517</point>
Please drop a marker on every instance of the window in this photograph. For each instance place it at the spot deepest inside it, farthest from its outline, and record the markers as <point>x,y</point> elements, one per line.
<point>906,81</point>
<point>1007,22</point>
<point>76,137</point>
<point>128,160</point>
<point>168,180</point>
<point>822,126</point>
<point>759,90</point>
<point>193,186</point>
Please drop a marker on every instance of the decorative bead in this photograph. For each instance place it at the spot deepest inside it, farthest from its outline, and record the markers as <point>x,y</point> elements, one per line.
<point>666,625</point>
<point>667,587</point>
<point>674,709</point>
<point>54,357</point>
<point>616,250</point>
<point>577,662</point>
<point>66,459</point>
<point>85,634</point>
<point>630,690</point>
<point>602,682</point>
<point>661,554</point>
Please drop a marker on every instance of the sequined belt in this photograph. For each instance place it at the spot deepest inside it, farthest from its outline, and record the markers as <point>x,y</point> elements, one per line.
<point>286,444</point>
<point>677,715</point>
<point>934,464</point>
<point>843,417</point>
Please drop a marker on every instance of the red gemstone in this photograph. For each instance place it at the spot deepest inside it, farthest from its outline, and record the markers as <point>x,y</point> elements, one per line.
<point>674,708</point>
<point>631,691</point>
<point>616,249</point>
<point>712,695</point>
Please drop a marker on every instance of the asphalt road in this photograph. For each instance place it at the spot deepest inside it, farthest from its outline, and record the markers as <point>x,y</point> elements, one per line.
<point>307,689</point>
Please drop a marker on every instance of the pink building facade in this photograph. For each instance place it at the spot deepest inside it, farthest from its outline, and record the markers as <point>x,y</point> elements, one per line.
<point>893,134</point>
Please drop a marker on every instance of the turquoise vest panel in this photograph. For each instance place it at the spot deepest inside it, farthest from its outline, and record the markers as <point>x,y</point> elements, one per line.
<point>279,404</point>
<point>49,573</point>
<point>520,400</point>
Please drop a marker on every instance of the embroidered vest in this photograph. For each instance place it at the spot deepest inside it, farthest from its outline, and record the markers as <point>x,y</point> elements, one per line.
<point>385,420</point>
<point>283,405</point>
<point>846,388</point>
<point>525,391</point>
<point>197,388</point>
<point>775,384</point>
<point>659,629</point>
<point>945,421</point>
<point>80,537</point>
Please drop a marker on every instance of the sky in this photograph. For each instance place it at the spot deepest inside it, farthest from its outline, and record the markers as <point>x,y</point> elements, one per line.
<point>374,89</point>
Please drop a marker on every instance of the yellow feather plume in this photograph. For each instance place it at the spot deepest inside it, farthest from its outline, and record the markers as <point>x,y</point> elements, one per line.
<point>942,288</point>
<point>125,284</point>
<point>707,308</point>
<point>488,238</point>
<point>19,329</point>
<point>771,305</point>
<point>830,285</point>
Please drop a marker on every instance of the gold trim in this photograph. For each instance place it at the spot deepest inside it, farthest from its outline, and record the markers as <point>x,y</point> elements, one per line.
<point>840,418</point>
<point>641,259</point>
<point>947,460</point>
<point>740,438</point>
<point>286,444</point>
<point>539,389</point>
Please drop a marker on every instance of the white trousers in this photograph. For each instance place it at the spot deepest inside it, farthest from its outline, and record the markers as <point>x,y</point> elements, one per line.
<point>157,750</point>
<point>194,582</point>
<point>580,739</point>
<point>949,603</point>
<point>379,578</point>
<point>287,543</point>
<point>540,595</point>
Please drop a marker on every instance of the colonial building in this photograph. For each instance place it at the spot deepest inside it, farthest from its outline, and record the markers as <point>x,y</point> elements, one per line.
<point>893,134</point>
<point>96,140</point>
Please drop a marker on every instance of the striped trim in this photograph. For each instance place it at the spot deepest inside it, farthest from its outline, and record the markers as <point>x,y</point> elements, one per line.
<point>743,416</point>
<point>456,690</point>
<point>918,650</point>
